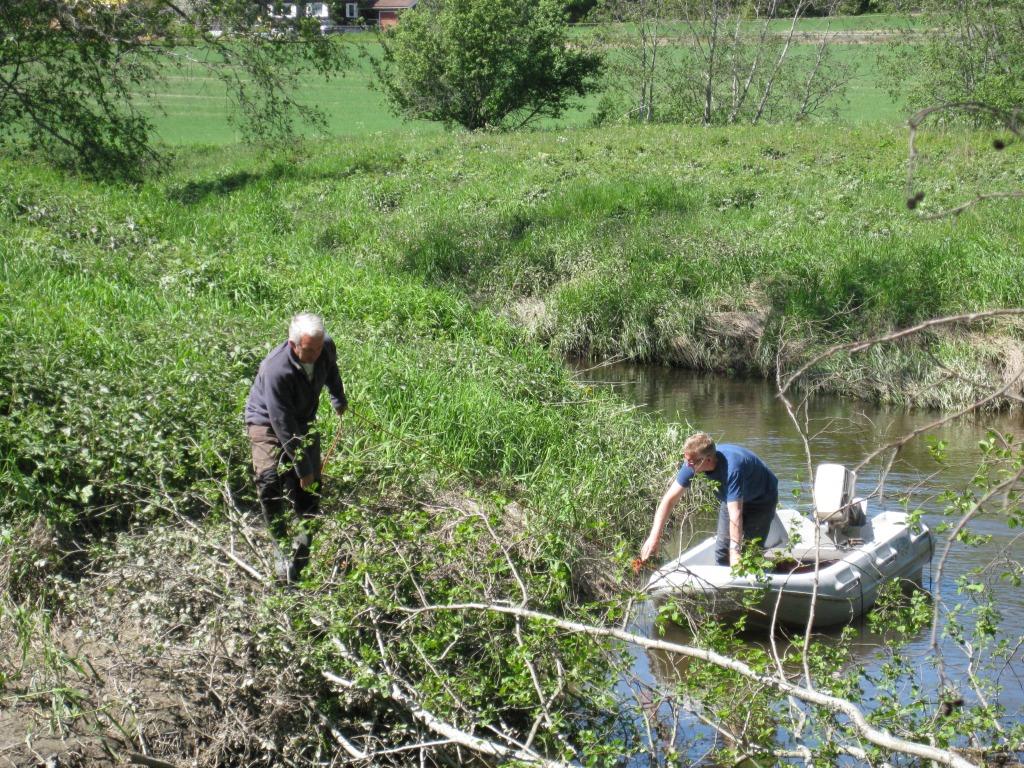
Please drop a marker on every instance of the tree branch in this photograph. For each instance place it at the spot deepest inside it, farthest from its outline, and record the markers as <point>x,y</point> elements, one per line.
<point>834,704</point>
<point>1009,119</point>
<point>438,726</point>
<point>861,345</point>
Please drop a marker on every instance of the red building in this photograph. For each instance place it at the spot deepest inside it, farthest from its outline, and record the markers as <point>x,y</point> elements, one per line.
<point>385,12</point>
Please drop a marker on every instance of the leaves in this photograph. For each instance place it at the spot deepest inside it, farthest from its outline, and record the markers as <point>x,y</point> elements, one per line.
<point>78,73</point>
<point>483,63</point>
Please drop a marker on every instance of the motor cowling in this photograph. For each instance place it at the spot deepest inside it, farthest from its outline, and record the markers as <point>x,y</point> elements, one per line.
<point>834,500</point>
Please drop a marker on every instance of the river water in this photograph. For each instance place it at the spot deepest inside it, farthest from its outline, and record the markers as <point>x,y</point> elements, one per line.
<point>749,413</point>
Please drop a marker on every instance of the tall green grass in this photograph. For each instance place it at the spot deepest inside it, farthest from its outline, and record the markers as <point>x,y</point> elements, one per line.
<point>137,315</point>
<point>134,321</point>
<point>137,318</point>
<point>623,241</point>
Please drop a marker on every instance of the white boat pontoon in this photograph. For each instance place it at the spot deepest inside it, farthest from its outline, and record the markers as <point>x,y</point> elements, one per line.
<point>848,553</point>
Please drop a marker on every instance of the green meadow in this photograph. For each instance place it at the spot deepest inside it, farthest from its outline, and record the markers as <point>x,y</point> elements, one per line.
<point>190,107</point>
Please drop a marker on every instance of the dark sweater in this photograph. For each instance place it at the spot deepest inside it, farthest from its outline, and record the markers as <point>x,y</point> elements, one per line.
<point>284,398</point>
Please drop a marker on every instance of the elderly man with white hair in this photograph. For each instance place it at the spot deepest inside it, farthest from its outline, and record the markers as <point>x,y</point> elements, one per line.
<point>282,406</point>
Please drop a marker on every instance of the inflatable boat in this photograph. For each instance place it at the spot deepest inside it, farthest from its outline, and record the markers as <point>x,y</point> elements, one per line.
<point>834,563</point>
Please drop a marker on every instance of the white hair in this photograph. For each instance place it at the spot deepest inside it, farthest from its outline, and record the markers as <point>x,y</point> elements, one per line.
<point>305,324</point>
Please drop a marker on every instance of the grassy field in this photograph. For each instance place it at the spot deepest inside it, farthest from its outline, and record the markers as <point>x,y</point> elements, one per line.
<point>703,248</point>
<point>688,245</point>
<point>191,107</point>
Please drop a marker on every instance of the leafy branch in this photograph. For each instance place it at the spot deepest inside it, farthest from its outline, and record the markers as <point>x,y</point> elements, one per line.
<point>834,704</point>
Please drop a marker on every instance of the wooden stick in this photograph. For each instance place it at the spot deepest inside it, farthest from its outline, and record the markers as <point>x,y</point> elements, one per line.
<point>152,762</point>
<point>334,443</point>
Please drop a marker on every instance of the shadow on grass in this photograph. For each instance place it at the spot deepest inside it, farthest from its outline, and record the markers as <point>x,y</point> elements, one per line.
<point>194,191</point>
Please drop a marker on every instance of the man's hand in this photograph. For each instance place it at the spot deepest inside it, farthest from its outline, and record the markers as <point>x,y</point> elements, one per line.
<point>665,506</point>
<point>341,411</point>
<point>650,548</point>
<point>307,480</point>
<point>734,557</point>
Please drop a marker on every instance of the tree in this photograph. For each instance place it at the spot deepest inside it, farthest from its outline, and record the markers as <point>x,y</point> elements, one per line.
<point>971,52</point>
<point>639,32</point>
<point>707,62</point>
<point>483,63</point>
<point>76,76</point>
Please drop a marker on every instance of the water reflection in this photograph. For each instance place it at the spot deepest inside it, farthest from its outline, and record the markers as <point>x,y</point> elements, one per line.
<point>749,413</point>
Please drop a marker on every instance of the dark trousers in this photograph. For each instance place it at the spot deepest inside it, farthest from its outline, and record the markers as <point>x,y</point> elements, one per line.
<point>757,520</point>
<point>277,482</point>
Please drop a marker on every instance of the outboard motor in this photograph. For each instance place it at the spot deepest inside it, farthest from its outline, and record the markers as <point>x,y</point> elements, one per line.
<point>834,502</point>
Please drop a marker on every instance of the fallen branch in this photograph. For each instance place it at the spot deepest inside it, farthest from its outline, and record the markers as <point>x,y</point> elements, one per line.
<point>230,555</point>
<point>152,762</point>
<point>438,726</point>
<point>835,704</point>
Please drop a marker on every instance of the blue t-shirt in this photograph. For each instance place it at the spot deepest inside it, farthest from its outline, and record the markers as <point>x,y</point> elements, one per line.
<point>740,474</point>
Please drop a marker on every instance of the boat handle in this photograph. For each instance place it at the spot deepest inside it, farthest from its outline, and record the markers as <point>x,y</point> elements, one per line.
<point>842,586</point>
<point>883,561</point>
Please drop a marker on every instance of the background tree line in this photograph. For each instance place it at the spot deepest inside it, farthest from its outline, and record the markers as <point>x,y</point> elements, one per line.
<point>77,78</point>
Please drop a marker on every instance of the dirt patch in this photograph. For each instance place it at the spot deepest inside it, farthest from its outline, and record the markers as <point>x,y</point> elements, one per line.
<point>530,313</point>
<point>152,654</point>
<point>1012,352</point>
<point>736,336</point>
<point>850,37</point>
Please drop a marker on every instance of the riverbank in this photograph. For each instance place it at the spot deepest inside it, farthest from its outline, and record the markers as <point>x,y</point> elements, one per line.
<point>473,467</point>
<point>720,249</point>
<point>710,249</point>
<point>137,612</point>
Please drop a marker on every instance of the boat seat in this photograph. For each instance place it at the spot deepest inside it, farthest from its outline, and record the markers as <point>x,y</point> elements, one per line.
<point>805,554</point>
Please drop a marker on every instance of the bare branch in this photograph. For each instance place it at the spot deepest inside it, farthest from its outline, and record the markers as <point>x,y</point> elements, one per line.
<point>1011,120</point>
<point>834,704</point>
<point>861,345</point>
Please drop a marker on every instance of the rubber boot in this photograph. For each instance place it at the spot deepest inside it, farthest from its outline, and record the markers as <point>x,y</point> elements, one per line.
<point>282,567</point>
<point>300,555</point>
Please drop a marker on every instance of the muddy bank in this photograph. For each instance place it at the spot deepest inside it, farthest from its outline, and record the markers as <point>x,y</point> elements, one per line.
<point>951,366</point>
<point>155,652</point>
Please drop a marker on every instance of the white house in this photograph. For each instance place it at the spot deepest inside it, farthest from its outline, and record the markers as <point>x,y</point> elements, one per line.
<point>318,11</point>
<point>292,11</point>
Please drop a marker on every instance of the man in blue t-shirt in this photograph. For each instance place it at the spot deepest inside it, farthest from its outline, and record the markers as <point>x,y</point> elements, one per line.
<point>747,489</point>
